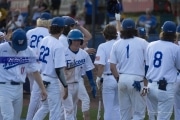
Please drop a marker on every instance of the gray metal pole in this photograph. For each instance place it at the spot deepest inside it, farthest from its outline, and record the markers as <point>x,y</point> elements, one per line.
<point>93,22</point>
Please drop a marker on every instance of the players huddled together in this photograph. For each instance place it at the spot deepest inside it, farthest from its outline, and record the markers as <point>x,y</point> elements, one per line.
<point>132,74</point>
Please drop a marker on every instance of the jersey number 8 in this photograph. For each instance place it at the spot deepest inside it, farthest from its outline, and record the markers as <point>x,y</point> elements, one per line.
<point>157,59</point>
<point>44,52</point>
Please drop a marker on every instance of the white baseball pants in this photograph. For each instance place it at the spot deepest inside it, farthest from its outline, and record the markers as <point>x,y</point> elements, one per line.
<point>53,102</point>
<point>84,97</point>
<point>132,104</point>
<point>70,102</point>
<point>177,99</point>
<point>110,98</point>
<point>160,103</point>
<point>11,101</point>
<point>35,98</point>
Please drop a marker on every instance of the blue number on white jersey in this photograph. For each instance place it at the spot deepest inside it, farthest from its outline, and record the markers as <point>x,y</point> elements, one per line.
<point>127,47</point>
<point>35,40</point>
<point>157,59</point>
<point>44,52</point>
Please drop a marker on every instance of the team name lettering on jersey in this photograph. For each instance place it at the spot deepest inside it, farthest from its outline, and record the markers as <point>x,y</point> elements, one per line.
<point>75,63</point>
<point>10,62</point>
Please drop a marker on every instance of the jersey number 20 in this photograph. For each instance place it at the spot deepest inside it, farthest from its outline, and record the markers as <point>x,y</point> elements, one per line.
<point>35,40</point>
<point>44,52</point>
<point>157,59</point>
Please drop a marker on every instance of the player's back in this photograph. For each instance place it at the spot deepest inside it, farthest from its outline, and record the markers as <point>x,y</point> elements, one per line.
<point>130,54</point>
<point>163,60</point>
<point>35,36</point>
<point>50,47</point>
<point>103,55</point>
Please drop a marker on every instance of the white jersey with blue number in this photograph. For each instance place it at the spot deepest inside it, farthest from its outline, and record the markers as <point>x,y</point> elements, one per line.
<point>130,55</point>
<point>76,64</point>
<point>51,56</point>
<point>163,59</point>
<point>16,71</point>
<point>35,36</point>
<point>103,55</point>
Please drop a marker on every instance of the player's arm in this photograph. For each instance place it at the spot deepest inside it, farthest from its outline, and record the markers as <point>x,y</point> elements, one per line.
<point>60,73</point>
<point>87,34</point>
<point>118,24</point>
<point>38,79</point>
<point>91,81</point>
<point>114,71</point>
<point>100,69</point>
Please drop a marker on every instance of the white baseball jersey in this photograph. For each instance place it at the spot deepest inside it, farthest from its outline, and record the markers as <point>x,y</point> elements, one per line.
<point>63,39</point>
<point>16,71</point>
<point>76,64</point>
<point>35,36</point>
<point>51,55</point>
<point>103,55</point>
<point>163,59</point>
<point>130,55</point>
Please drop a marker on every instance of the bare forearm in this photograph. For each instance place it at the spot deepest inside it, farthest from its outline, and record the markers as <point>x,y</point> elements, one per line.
<point>38,79</point>
<point>100,69</point>
<point>87,34</point>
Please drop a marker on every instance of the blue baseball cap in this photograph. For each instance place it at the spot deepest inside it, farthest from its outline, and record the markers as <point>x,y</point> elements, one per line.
<point>128,23</point>
<point>141,31</point>
<point>169,27</point>
<point>19,40</point>
<point>58,21</point>
<point>45,16</point>
<point>69,20</point>
<point>178,29</point>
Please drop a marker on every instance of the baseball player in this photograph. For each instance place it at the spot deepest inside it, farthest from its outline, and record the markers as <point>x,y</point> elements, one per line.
<point>82,92</point>
<point>52,58</point>
<point>110,88</point>
<point>34,37</point>
<point>77,60</point>
<point>163,60</point>
<point>17,62</point>
<point>129,54</point>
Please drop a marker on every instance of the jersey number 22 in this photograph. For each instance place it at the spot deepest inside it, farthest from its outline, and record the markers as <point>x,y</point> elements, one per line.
<point>44,52</point>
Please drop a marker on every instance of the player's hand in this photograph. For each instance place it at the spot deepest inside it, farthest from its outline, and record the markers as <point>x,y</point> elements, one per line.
<point>77,23</point>
<point>144,91</point>
<point>117,16</point>
<point>43,95</point>
<point>98,79</point>
<point>65,93</point>
<point>91,51</point>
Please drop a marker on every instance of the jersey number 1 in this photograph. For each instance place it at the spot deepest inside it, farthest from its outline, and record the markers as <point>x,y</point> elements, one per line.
<point>44,52</point>
<point>127,48</point>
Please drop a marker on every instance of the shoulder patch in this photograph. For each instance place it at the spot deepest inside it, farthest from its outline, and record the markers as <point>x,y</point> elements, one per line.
<point>97,58</point>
